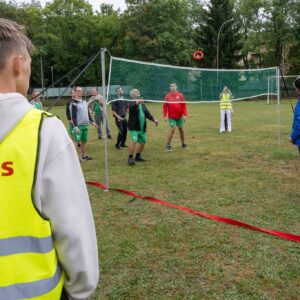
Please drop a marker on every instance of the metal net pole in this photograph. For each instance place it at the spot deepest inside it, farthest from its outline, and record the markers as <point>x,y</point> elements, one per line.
<point>278,106</point>
<point>103,52</point>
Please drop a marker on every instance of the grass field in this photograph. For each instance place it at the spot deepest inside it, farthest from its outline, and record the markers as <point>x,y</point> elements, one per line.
<point>148,251</point>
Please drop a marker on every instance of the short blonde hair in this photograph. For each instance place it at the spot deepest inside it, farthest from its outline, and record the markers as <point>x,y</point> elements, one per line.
<point>12,38</point>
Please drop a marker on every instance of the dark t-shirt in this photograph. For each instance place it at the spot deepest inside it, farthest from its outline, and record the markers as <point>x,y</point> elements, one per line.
<point>120,107</point>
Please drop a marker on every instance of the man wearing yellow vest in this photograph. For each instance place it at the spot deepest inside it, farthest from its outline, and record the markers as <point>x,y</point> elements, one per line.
<point>48,247</point>
<point>225,110</point>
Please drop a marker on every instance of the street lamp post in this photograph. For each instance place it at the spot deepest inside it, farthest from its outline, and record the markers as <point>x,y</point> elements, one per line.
<point>42,70</point>
<point>52,76</point>
<point>218,38</point>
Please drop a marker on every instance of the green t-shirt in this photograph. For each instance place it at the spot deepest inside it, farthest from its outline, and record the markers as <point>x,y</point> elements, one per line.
<point>142,118</point>
<point>37,105</point>
<point>94,103</point>
<point>97,108</point>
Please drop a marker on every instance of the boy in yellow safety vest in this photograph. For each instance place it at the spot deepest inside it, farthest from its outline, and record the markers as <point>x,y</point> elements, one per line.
<point>48,247</point>
<point>225,110</point>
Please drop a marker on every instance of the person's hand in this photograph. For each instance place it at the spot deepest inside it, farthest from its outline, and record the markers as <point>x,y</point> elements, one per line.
<point>290,140</point>
<point>95,125</point>
<point>76,129</point>
<point>140,101</point>
<point>166,119</point>
<point>120,119</point>
<point>156,122</point>
<point>184,118</point>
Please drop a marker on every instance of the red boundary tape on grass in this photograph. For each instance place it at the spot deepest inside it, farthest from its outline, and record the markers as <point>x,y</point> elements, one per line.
<point>283,235</point>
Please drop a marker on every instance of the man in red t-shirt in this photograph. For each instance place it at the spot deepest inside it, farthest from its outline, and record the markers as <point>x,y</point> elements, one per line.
<point>174,109</point>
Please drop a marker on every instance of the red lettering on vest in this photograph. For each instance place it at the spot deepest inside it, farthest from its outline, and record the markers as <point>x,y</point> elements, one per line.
<point>7,169</point>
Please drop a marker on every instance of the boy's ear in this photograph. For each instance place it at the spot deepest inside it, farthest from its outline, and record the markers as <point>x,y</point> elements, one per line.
<point>17,68</point>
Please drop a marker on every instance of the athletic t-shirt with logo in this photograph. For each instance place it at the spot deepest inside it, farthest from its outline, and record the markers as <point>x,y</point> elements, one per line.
<point>174,110</point>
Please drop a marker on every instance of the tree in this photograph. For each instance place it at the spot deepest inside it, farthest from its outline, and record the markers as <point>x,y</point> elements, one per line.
<point>279,19</point>
<point>294,51</point>
<point>68,32</point>
<point>218,12</point>
<point>250,16</point>
<point>158,31</point>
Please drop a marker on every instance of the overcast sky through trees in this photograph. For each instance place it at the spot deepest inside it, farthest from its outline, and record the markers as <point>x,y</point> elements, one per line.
<point>96,3</point>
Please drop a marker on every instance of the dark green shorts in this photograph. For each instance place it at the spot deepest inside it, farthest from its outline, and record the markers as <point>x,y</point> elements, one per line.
<point>82,136</point>
<point>175,122</point>
<point>138,136</point>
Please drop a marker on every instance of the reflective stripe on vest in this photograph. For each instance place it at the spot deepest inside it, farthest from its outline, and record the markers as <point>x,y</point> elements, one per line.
<point>23,244</point>
<point>31,289</point>
<point>29,266</point>
<point>225,102</point>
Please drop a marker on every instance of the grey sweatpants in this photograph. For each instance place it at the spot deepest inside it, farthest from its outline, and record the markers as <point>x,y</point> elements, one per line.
<point>99,121</point>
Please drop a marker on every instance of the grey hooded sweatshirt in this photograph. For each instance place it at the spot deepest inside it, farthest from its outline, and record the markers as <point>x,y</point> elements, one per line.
<point>60,195</point>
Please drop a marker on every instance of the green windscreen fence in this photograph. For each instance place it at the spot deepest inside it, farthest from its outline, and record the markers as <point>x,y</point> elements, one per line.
<point>197,85</point>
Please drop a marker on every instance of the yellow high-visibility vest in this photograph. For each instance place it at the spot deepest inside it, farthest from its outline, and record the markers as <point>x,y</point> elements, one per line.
<point>225,101</point>
<point>29,267</point>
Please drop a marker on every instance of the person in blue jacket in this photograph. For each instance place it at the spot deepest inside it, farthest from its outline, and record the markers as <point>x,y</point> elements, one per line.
<point>295,135</point>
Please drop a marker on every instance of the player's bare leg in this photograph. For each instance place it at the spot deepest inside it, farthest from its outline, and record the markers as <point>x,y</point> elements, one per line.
<point>181,132</point>
<point>170,135</point>
<point>131,149</point>
<point>83,149</point>
<point>138,157</point>
<point>182,137</point>
<point>169,139</point>
<point>140,148</point>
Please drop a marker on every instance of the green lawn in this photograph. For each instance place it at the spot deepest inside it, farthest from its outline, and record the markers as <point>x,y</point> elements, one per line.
<point>148,251</point>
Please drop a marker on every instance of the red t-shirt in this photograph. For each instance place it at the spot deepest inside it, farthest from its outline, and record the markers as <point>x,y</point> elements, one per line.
<point>174,110</point>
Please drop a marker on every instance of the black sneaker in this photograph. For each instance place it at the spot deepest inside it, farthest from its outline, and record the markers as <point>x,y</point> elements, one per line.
<point>87,158</point>
<point>139,159</point>
<point>131,161</point>
<point>117,147</point>
<point>109,136</point>
<point>168,148</point>
<point>99,137</point>
<point>185,146</point>
<point>124,146</point>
